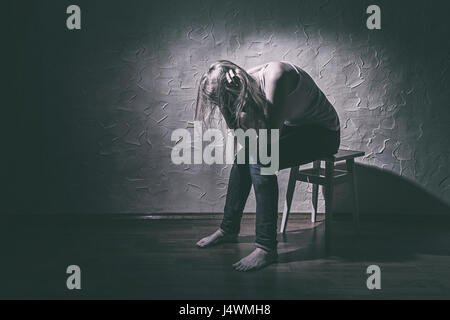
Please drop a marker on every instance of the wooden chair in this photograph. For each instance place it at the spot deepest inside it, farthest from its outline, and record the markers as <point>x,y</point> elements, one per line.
<point>327,177</point>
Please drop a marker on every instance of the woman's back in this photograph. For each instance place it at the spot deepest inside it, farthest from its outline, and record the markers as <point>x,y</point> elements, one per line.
<point>306,104</point>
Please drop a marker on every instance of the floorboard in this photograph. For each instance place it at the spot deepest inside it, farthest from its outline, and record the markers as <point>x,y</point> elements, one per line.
<point>156,259</point>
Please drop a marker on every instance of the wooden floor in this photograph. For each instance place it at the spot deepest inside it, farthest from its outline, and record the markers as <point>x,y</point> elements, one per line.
<point>157,259</point>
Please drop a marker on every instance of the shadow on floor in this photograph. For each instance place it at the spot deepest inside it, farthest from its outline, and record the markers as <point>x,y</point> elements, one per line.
<point>384,192</point>
<point>382,240</point>
<point>400,220</point>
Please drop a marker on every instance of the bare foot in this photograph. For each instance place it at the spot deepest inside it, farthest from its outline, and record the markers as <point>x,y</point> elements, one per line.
<point>258,259</point>
<point>216,238</point>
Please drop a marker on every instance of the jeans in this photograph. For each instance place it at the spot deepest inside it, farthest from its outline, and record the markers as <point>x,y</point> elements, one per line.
<point>297,146</point>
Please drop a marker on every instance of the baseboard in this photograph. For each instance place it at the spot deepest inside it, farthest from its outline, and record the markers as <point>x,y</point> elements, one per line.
<point>80,218</point>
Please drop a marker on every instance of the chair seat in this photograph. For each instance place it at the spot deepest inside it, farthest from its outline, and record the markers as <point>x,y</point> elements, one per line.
<point>318,176</point>
<point>320,172</point>
<point>343,155</point>
<point>327,177</point>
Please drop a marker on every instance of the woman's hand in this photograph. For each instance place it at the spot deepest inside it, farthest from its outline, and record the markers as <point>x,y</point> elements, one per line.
<point>244,121</point>
<point>248,123</point>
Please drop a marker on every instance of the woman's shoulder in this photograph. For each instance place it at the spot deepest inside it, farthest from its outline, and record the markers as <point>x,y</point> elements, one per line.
<point>281,75</point>
<point>278,70</point>
<point>275,70</point>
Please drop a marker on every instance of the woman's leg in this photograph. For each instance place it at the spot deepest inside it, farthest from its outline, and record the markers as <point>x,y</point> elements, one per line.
<point>239,186</point>
<point>297,145</point>
<point>266,193</point>
<point>301,145</point>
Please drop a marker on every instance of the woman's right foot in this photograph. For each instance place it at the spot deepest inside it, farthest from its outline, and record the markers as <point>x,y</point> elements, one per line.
<point>216,238</point>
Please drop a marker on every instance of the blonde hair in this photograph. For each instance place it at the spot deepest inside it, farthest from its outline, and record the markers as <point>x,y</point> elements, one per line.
<point>230,89</point>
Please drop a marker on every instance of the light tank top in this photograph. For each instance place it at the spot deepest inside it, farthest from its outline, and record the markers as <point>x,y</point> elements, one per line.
<point>306,104</point>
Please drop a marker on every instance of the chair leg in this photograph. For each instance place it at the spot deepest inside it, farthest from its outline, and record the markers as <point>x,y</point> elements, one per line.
<point>315,195</point>
<point>354,190</point>
<point>289,196</point>
<point>329,175</point>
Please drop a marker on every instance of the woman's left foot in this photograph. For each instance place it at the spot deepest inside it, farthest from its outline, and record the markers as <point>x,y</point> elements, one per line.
<point>258,259</point>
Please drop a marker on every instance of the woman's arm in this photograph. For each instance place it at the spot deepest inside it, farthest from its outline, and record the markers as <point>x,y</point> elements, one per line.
<point>278,84</point>
<point>280,80</point>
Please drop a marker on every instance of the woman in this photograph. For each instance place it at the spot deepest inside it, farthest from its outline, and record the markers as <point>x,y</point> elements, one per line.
<point>276,95</point>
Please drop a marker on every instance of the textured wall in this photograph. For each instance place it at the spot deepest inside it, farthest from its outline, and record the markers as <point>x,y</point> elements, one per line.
<point>110,95</point>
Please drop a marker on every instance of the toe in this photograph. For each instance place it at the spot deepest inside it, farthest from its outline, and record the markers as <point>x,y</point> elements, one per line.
<point>237,263</point>
<point>201,243</point>
<point>244,268</point>
<point>238,267</point>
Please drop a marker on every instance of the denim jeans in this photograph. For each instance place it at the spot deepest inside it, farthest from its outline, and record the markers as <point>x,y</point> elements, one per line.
<point>297,146</point>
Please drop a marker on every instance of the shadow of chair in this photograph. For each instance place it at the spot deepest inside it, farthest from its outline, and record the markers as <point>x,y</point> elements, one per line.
<point>400,220</point>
